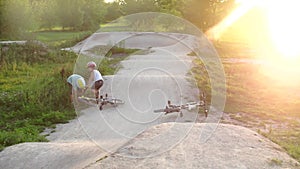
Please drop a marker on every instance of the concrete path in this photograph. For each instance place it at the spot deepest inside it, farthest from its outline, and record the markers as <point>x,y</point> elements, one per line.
<point>145,83</point>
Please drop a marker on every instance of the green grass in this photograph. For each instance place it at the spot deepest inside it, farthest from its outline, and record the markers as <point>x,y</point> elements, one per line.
<point>33,95</point>
<point>115,27</point>
<point>109,64</point>
<point>276,161</point>
<point>58,38</point>
<point>257,98</point>
<point>263,99</point>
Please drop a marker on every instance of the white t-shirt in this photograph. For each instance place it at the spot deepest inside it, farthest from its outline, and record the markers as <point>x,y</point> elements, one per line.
<point>97,76</point>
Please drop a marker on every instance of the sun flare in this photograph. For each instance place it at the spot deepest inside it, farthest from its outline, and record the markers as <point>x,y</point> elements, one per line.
<point>216,31</point>
<point>282,23</point>
<point>284,26</point>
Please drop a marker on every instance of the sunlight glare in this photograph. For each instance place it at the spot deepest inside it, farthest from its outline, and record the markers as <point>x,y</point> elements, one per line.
<point>283,23</point>
<point>109,1</point>
<point>243,7</point>
<point>284,26</point>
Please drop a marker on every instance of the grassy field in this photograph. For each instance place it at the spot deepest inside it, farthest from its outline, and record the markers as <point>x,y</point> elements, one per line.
<point>60,38</point>
<point>259,98</point>
<point>34,94</point>
<point>259,101</point>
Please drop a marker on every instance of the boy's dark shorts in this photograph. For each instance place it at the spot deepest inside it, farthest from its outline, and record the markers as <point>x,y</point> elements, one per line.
<point>98,84</point>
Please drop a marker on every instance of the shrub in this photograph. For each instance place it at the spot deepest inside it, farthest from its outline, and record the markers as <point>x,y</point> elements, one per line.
<point>28,106</point>
<point>27,133</point>
<point>54,117</point>
<point>30,52</point>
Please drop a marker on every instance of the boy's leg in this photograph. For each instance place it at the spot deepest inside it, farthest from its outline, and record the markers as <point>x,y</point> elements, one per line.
<point>96,92</point>
<point>98,85</point>
<point>75,96</point>
<point>81,92</point>
<point>97,96</point>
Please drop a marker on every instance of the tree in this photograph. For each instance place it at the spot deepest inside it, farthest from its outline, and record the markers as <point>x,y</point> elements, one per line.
<point>80,14</point>
<point>45,13</point>
<point>93,13</point>
<point>2,27</point>
<point>174,7</point>
<point>15,18</point>
<point>206,13</point>
<point>69,13</point>
<point>166,6</point>
<point>113,12</point>
<point>136,6</point>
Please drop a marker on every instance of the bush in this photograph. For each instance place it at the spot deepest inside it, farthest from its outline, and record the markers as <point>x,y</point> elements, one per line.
<point>54,117</point>
<point>30,52</point>
<point>39,101</point>
<point>27,133</point>
<point>11,101</point>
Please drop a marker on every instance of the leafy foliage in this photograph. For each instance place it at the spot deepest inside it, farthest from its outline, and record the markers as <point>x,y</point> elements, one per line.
<point>19,17</point>
<point>206,13</point>
<point>15,17</point>
<point>40,96</point>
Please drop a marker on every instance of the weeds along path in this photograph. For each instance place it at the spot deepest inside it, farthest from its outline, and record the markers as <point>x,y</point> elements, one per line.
<point>145,82</point>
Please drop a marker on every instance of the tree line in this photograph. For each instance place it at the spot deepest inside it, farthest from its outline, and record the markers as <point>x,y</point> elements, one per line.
<point>19,16</point>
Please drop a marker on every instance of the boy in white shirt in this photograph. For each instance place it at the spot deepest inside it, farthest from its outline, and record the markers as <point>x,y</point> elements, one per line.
<point>95,81</point>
